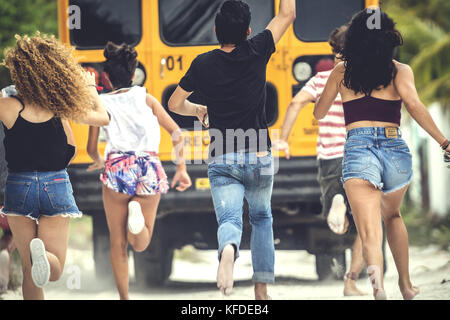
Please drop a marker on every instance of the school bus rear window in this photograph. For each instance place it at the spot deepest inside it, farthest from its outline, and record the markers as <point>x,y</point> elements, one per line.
<point>102,21</point>
<point>191,22</point>
<point>317,18</point>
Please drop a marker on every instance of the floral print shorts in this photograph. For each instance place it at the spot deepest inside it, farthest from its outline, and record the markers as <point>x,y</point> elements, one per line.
<point>134,173</point>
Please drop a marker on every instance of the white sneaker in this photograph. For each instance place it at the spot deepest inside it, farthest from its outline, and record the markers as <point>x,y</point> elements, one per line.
<point>336,218</point>
<point>136,221</point>
<point>4,270</point>
<point>40,267</point>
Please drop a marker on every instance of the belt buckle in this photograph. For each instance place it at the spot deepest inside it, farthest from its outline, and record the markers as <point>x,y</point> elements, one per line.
<point>262,154</point>
<point>391,132</point>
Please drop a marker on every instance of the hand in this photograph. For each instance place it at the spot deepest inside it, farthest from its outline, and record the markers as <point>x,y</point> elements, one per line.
<point>99,164</point>
<point>282,145</point>
<point>183,178</point>
<point>202,115</point>
<point>90,78</point>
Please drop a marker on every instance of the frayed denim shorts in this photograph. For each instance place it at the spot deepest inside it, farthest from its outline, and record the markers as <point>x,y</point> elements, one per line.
<point>369,155</point>
<point>35,194</point>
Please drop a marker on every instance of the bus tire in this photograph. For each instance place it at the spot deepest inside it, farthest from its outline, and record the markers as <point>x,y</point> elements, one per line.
<point>330,266</point>
<point>100,240</point>
<point>153,266</point>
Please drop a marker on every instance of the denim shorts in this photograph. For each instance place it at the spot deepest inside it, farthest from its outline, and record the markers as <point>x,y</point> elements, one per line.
<point>385,162</point>
<point>35,194</point>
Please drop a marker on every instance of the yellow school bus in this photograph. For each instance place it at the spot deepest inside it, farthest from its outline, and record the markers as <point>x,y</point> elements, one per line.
<point>168,35</point>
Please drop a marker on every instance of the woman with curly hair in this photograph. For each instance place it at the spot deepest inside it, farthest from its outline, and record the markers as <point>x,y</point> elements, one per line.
<point>377,166</point>
<point>133,177</point>
<point>52,89</point>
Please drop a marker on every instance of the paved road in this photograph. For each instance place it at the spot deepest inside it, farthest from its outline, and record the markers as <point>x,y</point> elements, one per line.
<point>295,278</point>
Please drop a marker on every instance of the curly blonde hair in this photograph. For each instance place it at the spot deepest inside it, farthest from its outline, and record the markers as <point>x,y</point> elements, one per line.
<point>47,75</point>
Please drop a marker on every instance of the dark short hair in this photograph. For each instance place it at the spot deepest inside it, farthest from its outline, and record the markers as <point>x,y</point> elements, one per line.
<point>121,63</point>
<point>232,22</point>
<point>337,39</point>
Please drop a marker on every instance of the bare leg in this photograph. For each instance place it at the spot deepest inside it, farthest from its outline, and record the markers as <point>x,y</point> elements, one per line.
<point>54,232</point>
<point>356,266</point>
<point>6,248</point>
<point>24,230</point>
<point>225,272</point>
<point>261,291</point>
<point>365,202</point>
<point>397,237</point>
<point>149,205</point>
<point>116,209</point>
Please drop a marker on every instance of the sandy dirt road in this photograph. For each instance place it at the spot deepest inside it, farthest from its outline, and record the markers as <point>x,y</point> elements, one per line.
<point>295,279</point>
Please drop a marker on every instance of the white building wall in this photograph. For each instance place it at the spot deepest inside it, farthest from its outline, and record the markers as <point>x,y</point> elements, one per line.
<point>438,173</point>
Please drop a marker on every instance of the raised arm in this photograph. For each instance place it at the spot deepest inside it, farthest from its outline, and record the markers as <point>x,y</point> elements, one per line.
<point>301,99</point>
<point>70,137</point>
<point>97,116</point>
<point>281,22</point>
<point>179,104</point>
<point>404,82</point>
<point>330,92</point>
<point>164,119</point>
<point>92,149</point>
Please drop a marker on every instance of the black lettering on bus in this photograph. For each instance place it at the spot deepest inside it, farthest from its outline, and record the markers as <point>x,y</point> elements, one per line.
<point>171,62</point>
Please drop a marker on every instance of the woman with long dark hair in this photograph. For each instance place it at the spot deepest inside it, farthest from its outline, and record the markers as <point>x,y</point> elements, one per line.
<point>377,166</point>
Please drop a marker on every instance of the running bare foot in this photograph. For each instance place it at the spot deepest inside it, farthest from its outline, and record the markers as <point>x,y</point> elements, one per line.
<point>350,288</point>
<point>225,271</point>
<point>409,292</point>
<point>136,221</point>
<point>261,292</point>
<point>337,219</point>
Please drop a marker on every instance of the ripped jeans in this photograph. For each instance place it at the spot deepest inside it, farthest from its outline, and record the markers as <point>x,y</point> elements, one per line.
<point>232,177</point>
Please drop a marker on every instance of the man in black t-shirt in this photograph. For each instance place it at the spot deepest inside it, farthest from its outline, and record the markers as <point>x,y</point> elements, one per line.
<point>232,82</point>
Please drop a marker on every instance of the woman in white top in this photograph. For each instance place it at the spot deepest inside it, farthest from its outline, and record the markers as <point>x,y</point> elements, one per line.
<point>133,177</point>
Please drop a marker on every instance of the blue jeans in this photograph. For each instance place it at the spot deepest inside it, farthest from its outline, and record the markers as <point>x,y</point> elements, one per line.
<point>385,162</point>
<point>232,177</point>
<point>32,194</point>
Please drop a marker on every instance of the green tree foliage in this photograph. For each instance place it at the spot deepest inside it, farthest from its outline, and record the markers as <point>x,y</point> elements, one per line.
<point>425,26</point>
<point>24,17</point>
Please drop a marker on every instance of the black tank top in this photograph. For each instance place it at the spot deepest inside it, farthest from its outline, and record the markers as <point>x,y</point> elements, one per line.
<point>36,146</point>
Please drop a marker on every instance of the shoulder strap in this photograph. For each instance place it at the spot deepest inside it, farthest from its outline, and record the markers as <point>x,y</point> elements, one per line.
<point>21,102</point>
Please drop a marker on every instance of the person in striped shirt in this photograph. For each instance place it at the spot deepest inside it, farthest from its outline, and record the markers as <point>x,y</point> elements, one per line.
<point>330,151</point>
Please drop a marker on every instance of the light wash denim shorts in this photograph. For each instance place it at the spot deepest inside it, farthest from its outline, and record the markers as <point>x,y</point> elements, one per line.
<point>385,162</point>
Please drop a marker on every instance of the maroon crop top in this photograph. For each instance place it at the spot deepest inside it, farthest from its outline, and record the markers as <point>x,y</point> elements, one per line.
<point>369,108</point>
